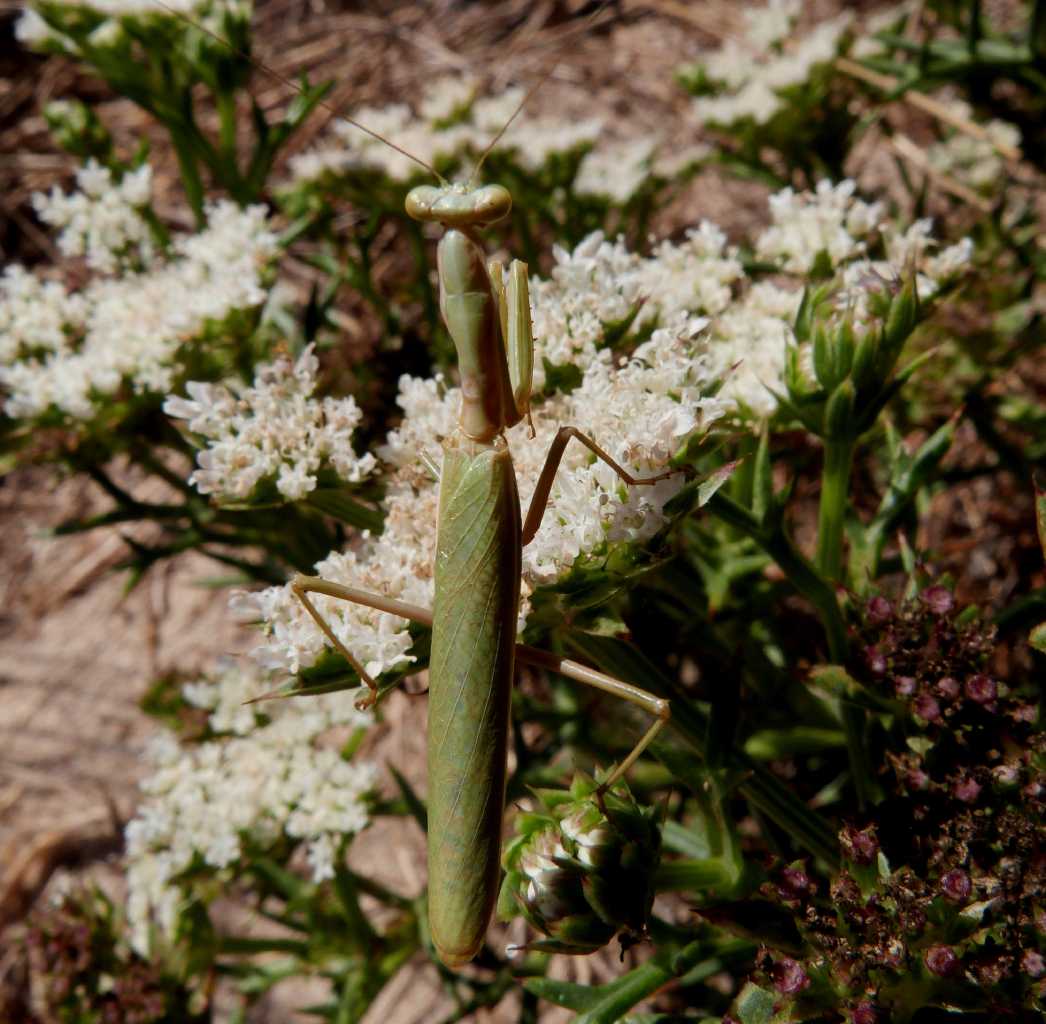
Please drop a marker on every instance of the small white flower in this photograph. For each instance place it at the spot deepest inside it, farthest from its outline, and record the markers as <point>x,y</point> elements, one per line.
<point>272,429</point>
<point>269,776</point>
<point>71,352</point>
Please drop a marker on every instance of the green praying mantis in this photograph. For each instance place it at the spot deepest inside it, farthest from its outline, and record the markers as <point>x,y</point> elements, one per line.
<point>479,539</point>
<point>480,536</point>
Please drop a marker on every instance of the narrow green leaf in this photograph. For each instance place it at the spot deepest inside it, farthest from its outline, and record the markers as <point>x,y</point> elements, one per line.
<point>563,993</point>
<point>713,482</point>
<point>414,803</point>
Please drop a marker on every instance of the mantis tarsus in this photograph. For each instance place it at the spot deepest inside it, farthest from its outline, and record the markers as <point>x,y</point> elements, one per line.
<point>480,536</point>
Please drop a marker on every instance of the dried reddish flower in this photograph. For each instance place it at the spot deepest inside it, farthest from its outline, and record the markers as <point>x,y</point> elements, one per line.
<point>942,961</point>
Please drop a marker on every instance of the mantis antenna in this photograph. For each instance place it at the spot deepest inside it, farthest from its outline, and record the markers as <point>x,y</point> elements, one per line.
<point>526,99</point>
<point>272,72</point>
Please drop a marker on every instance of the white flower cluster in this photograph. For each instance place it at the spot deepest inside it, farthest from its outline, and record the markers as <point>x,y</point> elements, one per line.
<point>72,351</point>
<point>911,250</point>
<point>36,32</point>
<point>754,70</point>
<point>454,124</point>
<point>449,125</point>
<point>602,283</point>
<point>272,772</point>
<point>710,328</point>
<point>829,220</point>
<point>616,171</point>
<point>102,220</point>
<point>972,161</point>
<point>272,429</point>
<point>640,409</point>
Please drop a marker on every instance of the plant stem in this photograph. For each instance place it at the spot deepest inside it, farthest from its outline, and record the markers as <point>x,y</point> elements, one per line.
<point>835,491</point>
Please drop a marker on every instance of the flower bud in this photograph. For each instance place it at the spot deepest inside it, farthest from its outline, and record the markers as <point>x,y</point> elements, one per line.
<point>982,689</point>
<point>942,961</point>
<point>902,318</point>
<point>795,883</point>
<point>788,976</point>
<point>839,412</point>
<point>1033,964</point>
<point>859,845</point>
<point>938,599</point>
<point>582,869</point>
<point>967,790</point>
<point>927,708</point>
<point>875,660</point>
<point>1006,775</point>
<point>956,886</point>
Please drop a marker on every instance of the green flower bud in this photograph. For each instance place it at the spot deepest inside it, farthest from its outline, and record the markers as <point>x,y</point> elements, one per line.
<point>77,129</point>
<point>902,318</point>
<point>581,870</point>
<point>865,362</point>
<point>839,412</point>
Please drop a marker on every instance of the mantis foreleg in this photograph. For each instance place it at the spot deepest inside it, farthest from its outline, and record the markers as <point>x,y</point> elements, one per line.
<point>539,501</point>
<point>657,706</point>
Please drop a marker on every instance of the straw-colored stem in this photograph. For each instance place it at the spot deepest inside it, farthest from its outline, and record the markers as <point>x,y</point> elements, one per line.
<point>935,108</point>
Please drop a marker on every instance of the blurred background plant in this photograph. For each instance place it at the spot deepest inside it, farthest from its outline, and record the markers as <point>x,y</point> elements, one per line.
<point>845,820</point>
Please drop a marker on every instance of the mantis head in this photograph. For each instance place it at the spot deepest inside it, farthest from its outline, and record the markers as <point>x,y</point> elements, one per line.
<point>459,206</point>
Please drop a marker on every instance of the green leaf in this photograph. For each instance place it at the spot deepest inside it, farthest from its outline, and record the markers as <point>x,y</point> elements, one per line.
<point>606,1004</point>
<point>563,993</point>
<point>774,744</point>
<point>1038,637</point>
<point>338,503</point>
<point>414,803</point>
<point>754,1005</point>
<point>707,488</point>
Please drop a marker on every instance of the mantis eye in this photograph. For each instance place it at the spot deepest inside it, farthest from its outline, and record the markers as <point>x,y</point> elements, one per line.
<point>492,202</point>
<point>419,201</point>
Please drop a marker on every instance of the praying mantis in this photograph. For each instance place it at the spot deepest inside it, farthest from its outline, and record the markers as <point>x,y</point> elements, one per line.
<point>480,536</point>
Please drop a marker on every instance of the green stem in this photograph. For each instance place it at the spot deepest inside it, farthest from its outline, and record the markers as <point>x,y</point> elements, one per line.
<point>835,492</point>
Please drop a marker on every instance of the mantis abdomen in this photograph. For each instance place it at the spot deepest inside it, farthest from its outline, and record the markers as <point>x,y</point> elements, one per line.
<point>470,672</point>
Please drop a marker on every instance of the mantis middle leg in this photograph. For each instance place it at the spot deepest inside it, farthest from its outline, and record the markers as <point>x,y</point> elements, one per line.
<point>657,706</point>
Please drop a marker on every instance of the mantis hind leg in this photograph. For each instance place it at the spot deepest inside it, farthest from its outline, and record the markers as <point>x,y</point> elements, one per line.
<point>302,586</point>
<point>656,706</point>
<point>539,502</point>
